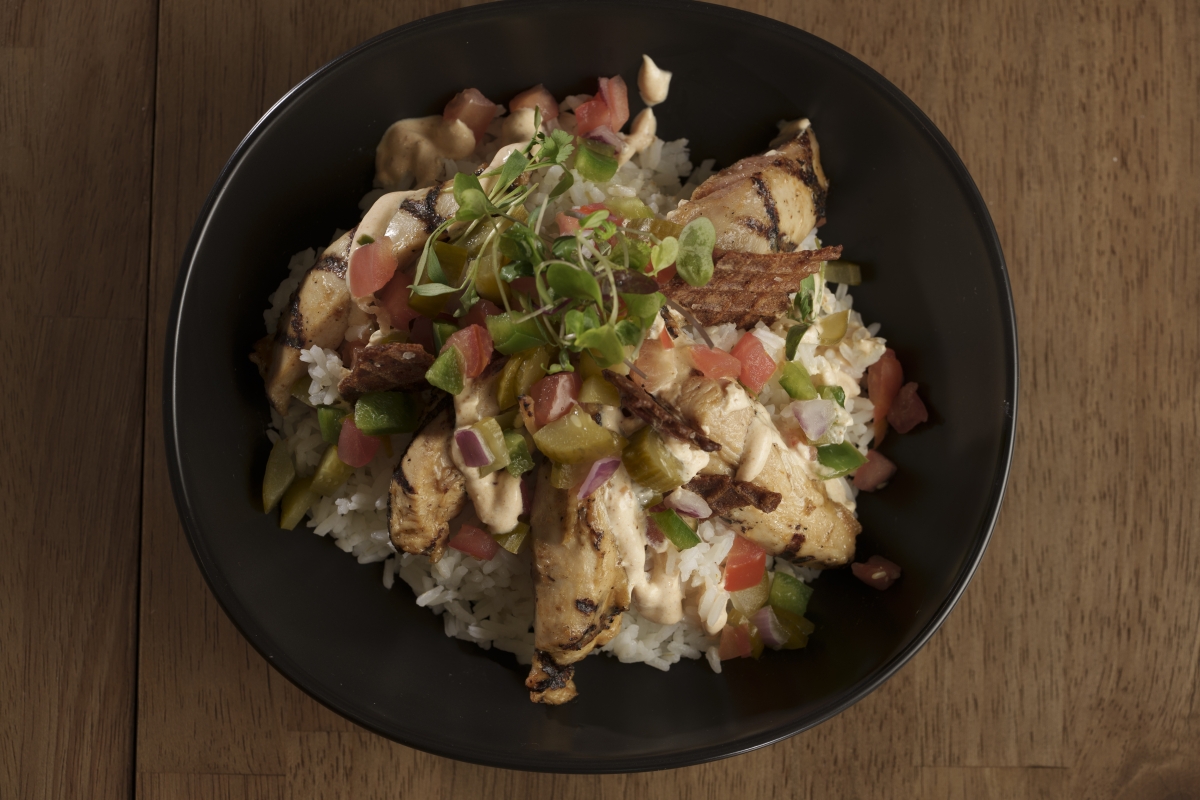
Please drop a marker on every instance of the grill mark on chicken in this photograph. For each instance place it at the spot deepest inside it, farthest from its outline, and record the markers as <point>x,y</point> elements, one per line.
<point>663,419</point>
<point>723,494</point>
<point>747,288</point>
<point>293,334</point>
<point>809,176</point>
<point>386,368</point>
<point>550,683</point>
<point>764,192</point>
<point>426,209</point>
<point>585,606</point>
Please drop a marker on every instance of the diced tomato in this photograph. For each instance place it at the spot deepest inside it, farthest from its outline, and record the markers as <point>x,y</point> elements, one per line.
<point>757,364</point>
<point>735,642</point>
<point>908,410</point>
<point>592,207</point>
<point>664,277</point>
<point>877,471</point>
<point>877,572</point>
<point>554,395</point>
<point>884,379</point>
<point>393,299</point>
<point>537,97</point>
<point>567,226</point>
<point>354,447</point>
<point>475,110</point>
<point>715,363</point>
<point>480,312</point>
<point>371,267</point>
<point>475,344</point>
<point>667,342</point>
<point>745,565</point>
<point>616,97</point>
<point>475,543</point>
<point>590,115</point>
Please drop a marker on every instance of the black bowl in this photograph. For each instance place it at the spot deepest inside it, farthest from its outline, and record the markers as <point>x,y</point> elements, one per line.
<point>901,202</point>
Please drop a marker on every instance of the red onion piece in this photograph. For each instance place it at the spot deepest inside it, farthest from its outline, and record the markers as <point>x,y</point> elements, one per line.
<point>772,633</point>
<point>688,503</point>
<point>814,416</point>
<point>605,134</point>
<point>474,449</point>
<point>600,472</point>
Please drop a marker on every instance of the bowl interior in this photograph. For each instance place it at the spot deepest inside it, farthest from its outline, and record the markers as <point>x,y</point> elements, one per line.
<point>900,202</point>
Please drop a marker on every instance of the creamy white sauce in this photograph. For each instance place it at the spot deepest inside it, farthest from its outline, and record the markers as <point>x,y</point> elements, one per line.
<point>693,458</point>
<point>518,127</point>
<point>653,82</point>
<point>641,135</point>
<point>659,596</point>
<point>761,437</point>
<point>496,497</point>
<point>411,150</point>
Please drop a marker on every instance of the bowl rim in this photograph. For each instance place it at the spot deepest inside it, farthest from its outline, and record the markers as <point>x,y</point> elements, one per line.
<point>302,679</point>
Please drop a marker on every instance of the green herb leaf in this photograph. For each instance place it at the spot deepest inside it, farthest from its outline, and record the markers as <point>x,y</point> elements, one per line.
<point>566,248</point>
<point>593,219</point>
<point>663,255</point>
<point>516,269</point>
<point>805,297</point>
<point>567,281</point>
<point>464,181</point>
<point>605,346</point>
<point>565,182</point>
<point>595,161</point>
<point>644,307</point>
<point>696,242</point>
<point>558,148</point>
<point>629,332</point>
<point>637,251</point>
<point>794,335</point>
<point>513,166</point>
<point>433,289</point>
<point>434,265</point>
<point>474,205</point>
<point>366,239</point>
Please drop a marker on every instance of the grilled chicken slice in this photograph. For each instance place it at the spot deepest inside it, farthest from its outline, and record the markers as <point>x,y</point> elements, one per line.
<point>427,490</point>
<point>389,367</point>
<point>806,526</point>
<point>580,587</point>
<point>768,203</point>
<point>748,288</point>
<point>316,315</point>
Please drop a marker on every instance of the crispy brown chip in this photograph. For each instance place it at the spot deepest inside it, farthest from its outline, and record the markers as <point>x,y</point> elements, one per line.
<point>641,403</point>
<point>747,288</point>
<point>723,494</point>
<point>386,368</point>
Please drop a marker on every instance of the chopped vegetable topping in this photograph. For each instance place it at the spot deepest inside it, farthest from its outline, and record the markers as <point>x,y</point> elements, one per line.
<point>757,364</point>
<point>843,272</point>
<point>355,447</point>
<point>840,459</point>
<point>385,413</point>
<point>715,364</point>
<point>475,344</point>
<point>789,594</point>
<point>513,541</point>
<point>908,410</point>
<point>673,527</point>
<point>553,396</point>
<point>475,543</point>
<point>330,419</point>
<point>279,475</point>
<point>875,473</point>
<point>650,463</point>
<point>877,572</point>
<point>796,382</point>
<point>884,379</point>
<point>745,564</point>
<point>331,473</point>
<point>576,438</point>
<point>298,499</point>
<point>447,372</point>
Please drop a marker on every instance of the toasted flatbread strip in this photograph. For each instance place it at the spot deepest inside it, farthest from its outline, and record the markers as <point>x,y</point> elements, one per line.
<point>723,494</point>
<point>747,288</point>
<point>386,368</point>
<point>641,403</point>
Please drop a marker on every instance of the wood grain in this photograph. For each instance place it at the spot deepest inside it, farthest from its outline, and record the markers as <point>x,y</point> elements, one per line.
<point>76,111</point>
<point>1071,668</point>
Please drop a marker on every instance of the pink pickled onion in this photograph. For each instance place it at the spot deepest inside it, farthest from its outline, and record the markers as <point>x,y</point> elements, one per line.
<point>688,503</point>
<point>474,449</point>
<point>600,472</point>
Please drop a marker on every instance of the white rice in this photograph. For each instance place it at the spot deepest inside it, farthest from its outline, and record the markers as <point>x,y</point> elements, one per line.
<point>491,602</point>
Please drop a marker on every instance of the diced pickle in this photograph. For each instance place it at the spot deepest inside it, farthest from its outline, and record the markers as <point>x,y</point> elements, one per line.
<point>493,437</point>
<point>506,386</point>
<point>487,282</point>
<point>661,228</point>
<point>835,393</point>
<point>453,258</point>
<point>756,642</point>
<point>519,459</point>
<point>576,438</point>
<point>279,475</point>
<point>298,499</point>
<point>299,391</point>
<point>597,390</point>
<point>798,629</point>
<point>331,473</point>
<point>514,540</point>
<point>650,463</point>
<point>533,367</point>
<point>843,272</point>
<point>566,476</point>
<point>750,600</point>
<point>441,332</point>
<point>833,328</point>
<point>385,413</point>
<point>629,208</point>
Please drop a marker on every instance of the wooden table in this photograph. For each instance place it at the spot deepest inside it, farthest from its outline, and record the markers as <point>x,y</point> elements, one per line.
<point>1069,669</point>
